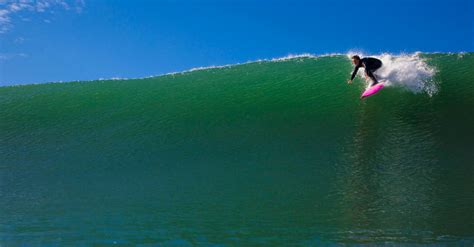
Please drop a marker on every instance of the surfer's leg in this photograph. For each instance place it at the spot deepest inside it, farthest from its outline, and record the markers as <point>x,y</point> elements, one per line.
<point>372,77</point>
<point>371,71</point>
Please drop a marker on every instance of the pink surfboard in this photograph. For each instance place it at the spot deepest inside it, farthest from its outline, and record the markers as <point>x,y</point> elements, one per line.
<point>372,90</point>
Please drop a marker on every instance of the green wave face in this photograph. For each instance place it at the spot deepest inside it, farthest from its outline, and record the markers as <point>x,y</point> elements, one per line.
<point>264,153</point>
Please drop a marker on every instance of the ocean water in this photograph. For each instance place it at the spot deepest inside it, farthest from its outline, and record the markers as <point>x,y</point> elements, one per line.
<point>271,153</point>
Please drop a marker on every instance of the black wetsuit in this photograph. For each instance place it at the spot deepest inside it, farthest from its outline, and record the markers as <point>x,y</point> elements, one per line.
<point>371,65</point>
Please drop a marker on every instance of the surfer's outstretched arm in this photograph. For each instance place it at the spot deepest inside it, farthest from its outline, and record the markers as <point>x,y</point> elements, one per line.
<point>356,68</point>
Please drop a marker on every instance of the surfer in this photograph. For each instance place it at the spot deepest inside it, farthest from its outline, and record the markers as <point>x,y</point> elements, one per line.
<point>370,65</point>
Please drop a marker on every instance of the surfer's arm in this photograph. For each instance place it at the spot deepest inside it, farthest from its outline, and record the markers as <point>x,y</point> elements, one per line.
<point>354,72</point>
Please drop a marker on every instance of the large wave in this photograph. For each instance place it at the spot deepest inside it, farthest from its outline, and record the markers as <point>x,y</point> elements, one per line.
<point>281,143</point>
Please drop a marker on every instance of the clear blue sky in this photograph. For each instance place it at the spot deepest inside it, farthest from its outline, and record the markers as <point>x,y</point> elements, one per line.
<point>65,40</point>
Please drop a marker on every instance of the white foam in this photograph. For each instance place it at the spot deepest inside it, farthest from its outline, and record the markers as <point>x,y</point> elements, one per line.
<point>406,70</point>
<point>290,57</point>
<point>302,55</point>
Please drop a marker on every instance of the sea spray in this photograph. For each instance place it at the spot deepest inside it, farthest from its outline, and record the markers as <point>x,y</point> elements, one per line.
<point>410,71</point>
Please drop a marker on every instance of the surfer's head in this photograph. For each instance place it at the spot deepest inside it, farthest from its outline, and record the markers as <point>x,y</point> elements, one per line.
<point>355,59</point>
